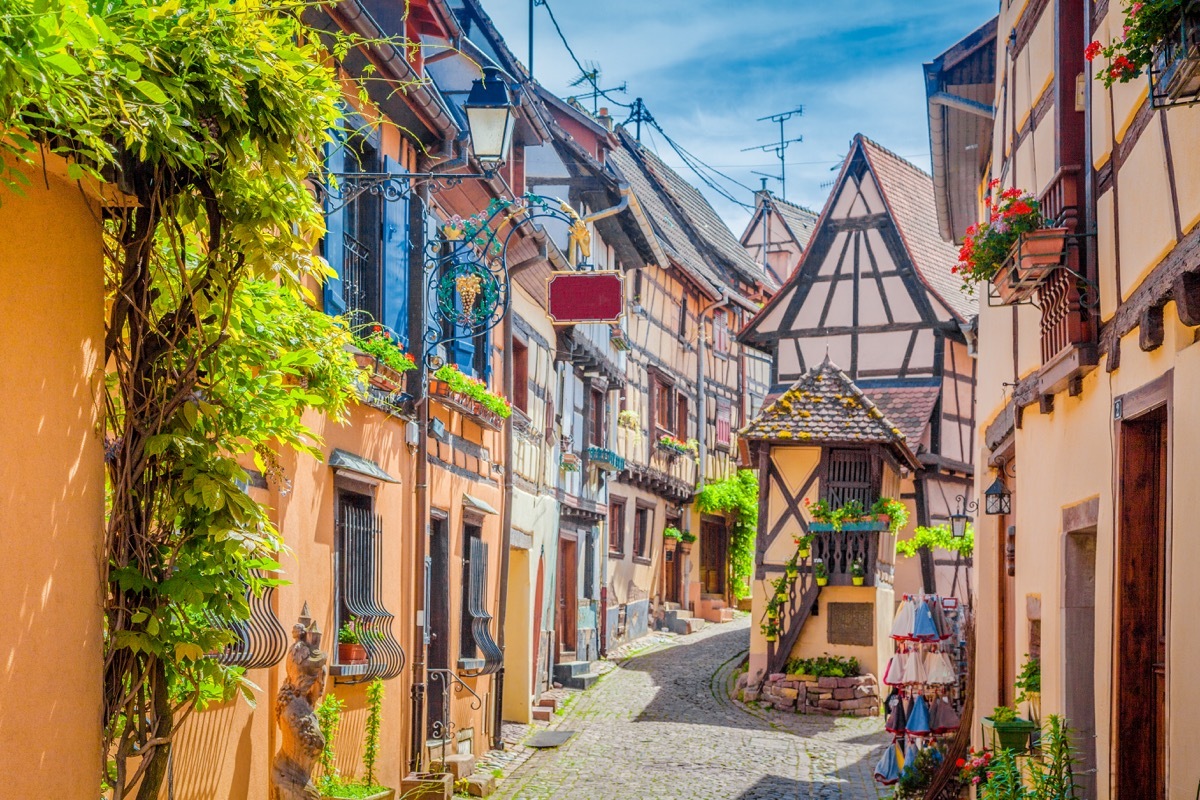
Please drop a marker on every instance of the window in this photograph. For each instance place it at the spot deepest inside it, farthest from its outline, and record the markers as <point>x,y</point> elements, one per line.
<point>520,387</point>
<point>597,418</point>
<point>641,531</point>
<point>850,475</point>
<point>724,423</point>
<point>720,336</point>
<point>681,416</point>
<point>616,526</point>
<point>662,405</point>
<point>478,653</point>
<point>359,551</point>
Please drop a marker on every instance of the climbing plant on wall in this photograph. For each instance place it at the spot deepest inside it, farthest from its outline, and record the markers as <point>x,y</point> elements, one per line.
<point>736,496</point>
<point>208,116</point>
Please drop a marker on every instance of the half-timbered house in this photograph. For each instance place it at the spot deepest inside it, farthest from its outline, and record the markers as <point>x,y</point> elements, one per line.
<point>689,384</point>
<point>777,234</point>
<point>875,293</point>
<point>1087,374</point>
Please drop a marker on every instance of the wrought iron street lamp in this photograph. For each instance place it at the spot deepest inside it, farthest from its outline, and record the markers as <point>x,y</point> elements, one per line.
<point>961,518</point>
<point>997,498</point>
<point>490,116</point>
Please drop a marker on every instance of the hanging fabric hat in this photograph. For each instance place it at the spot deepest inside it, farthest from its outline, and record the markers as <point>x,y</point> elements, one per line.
<point>944,718</point>
<point>939,619</point>
<point>910,754</point>
<point>887,771</point>
<point>938,668</point>
<point>918,717</point>
<point>897,720</point>
<point>903,624</point>
<point>893,674</point>
<point>923,626</point>
<point>914,668</point>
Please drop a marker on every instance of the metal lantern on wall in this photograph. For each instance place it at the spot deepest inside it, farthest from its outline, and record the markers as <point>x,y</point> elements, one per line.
<point>490,116</point>
<point>998,499</point>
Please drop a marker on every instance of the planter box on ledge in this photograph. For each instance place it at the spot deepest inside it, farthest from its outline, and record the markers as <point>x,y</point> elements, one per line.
<point>827,527</point>
<point>1175,66</point>
<point>467,406</point>
<point>427,786</point>
<point>1012,735</point>
<point>1033,258</point>
<point>605,459</point>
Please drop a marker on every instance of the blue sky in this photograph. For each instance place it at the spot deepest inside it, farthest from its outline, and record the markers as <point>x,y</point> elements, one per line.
<point>707,69</point>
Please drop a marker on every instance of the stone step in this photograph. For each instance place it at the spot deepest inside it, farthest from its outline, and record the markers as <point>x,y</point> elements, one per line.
<point>668,606</point>
<point>570,669</point>
<point>582,681</point>
<point>679,614</point>
<point>726,615</point>
<point>687,625</point>
<point>549,701</point>
<point>543,713</point>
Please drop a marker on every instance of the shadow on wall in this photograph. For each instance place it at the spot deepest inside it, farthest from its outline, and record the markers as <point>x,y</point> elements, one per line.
<point>208,742</point>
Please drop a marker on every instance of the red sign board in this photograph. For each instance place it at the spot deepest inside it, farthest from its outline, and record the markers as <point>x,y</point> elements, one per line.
<point>577,297</point>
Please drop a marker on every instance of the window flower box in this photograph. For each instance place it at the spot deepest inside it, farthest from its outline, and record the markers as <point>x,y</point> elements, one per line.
<point>463,403</point>
<point>830,527</point>
<point>619,340</point>
<point>605,459</point>
<point>352,654</point>
<point>1034,256</point>
<point>1175,61</point>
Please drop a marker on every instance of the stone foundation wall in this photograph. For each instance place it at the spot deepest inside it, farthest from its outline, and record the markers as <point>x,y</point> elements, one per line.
<point>808,694</point>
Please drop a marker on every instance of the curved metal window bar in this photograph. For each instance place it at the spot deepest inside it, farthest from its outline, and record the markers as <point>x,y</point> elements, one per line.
<point>361,533</point>
<point>481,620</point>
<point>260,640</point>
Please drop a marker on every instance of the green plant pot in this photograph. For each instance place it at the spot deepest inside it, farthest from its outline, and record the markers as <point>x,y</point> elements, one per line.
<point>1009,735</point>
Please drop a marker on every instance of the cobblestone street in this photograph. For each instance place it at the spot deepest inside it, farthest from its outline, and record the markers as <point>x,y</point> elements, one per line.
<point>661,725</point>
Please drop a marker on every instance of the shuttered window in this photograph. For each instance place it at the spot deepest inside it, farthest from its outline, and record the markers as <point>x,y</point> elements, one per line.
<point>850,476</point>
<point>641,532</point>
<point>724,422</point>
<point>720,338</point>
<point>616,527</point>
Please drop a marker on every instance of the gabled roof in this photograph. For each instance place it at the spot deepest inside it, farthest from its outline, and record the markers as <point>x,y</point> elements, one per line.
<point>825,407</point>
<point>801,222</point>
<point>690,226</point>
<point>908,192</point>
<point>909,405</point>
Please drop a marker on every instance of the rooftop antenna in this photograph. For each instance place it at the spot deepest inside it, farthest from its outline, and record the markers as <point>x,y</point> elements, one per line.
<point>780,147</point>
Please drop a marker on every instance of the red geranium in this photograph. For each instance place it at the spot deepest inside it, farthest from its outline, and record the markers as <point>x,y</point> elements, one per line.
<point>986,245</point>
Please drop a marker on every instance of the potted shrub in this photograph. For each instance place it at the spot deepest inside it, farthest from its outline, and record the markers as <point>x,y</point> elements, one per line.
<point>858,573</point>
<point>770,631</point>
<point>1012,249</point>
<point>1163,35</point>
<point>671,537</point>
<point>772,612</point>
<point>820,572</point>
<point>791,570</point>
<point>1005,729</point>
<point>686,538</point>
<point>385,357</point>
<point>351,649</point>
<point>803,544</point>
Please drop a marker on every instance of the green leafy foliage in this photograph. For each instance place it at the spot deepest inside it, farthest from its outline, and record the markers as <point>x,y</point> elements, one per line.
<point>1029,679</point>
<point>939,536</point>
<point>380,343</point>
<point>474,388</point>
<point>917,776</point>
<point>671,532</point>
<point>1147,24</point>
<point>825,666</point>
<point>329,718</point>
<point>737,496</point>
<point>1004,714</point>
<point>371,732</point>
<point>998,775</point>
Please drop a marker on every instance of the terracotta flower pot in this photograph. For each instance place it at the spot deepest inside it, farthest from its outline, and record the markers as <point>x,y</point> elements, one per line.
<point>352,654</point>
<point>669,544</point>
<point>685,547</point>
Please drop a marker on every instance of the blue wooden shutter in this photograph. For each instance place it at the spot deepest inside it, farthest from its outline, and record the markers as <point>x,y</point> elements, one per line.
<point>395,260</point>
<point>334,242</point>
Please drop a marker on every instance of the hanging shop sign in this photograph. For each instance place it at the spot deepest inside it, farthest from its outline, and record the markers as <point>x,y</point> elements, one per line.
<point>574,298</point>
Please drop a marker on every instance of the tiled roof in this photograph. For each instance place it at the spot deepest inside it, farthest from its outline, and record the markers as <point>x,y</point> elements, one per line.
<point>908,192</point>
<point>687,209</point>
<point>910,407</point>
<point>800,220</point>
<point>824,406</point>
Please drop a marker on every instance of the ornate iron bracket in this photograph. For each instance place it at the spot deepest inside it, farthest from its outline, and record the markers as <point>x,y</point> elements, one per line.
<point>340,189</point>
<point>442,729</point>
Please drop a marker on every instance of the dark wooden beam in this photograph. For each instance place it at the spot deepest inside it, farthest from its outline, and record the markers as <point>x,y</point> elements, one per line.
<point>1151,331</point>
<point>1046,404</point>
<point>1186,291</point>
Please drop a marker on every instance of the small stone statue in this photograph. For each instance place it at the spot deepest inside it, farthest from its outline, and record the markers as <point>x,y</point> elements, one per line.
<point>291,774</point>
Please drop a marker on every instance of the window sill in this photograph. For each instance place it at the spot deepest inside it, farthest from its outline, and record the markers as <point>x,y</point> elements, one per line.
<point>642,560</point>
<point>471,665</point>
<point>347,670</point>
<point>614,554</point>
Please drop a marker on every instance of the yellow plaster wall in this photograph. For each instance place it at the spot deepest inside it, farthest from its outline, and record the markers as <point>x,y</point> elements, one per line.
<point>51,490</point>
<point>1148,233</point>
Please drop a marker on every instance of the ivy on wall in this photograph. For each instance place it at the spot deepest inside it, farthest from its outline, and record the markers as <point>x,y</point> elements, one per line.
<point>736,496</point>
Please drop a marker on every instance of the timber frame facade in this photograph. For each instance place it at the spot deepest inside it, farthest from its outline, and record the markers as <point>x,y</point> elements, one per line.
<point>1084,395</point>
<point>874,292</point>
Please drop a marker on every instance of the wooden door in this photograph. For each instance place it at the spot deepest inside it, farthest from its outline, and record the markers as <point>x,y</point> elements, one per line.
<point>714,557</point>
<point>670,575</point>
<point>568,594</point>
<point>1142,588</point>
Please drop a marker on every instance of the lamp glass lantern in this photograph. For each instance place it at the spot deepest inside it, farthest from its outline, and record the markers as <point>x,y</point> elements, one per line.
<point>998,499</point>
<point>490,116</point>
<point>958,525</point>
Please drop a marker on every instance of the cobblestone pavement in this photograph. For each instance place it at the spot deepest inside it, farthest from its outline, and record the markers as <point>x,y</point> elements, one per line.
<point>661,725</point>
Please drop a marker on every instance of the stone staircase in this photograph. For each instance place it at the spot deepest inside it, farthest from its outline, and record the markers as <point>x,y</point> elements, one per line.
<point>679,621</point>
<point>575,674</point>
<point>713,609</point>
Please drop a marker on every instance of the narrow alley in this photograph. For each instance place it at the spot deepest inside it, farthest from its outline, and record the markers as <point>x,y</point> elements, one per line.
<point>661,725</point>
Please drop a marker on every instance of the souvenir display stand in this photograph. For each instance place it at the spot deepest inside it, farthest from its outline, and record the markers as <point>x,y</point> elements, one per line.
<point>926,675</point>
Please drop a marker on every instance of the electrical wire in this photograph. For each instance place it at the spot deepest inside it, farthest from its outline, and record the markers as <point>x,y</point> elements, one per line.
<point>587,74</point>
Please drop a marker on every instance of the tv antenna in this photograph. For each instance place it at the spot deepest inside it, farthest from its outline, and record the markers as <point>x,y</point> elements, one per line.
<point>780,148</point>
<point>591,77</point>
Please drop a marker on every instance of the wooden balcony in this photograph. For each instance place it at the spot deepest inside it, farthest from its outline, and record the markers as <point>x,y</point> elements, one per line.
<point>1068,296</point>
<point>667,474</point>
<point>839,549</point>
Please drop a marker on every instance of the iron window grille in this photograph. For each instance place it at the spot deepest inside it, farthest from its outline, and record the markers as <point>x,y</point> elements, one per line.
<point>360,587</point>
<point>476,641</point>
<point>260,640</point>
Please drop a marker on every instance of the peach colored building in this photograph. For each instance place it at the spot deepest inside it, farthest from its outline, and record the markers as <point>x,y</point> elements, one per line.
<point>1087,374</point>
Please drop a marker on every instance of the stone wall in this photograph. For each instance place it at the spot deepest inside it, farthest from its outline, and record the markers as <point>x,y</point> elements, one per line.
<point>808,694</point>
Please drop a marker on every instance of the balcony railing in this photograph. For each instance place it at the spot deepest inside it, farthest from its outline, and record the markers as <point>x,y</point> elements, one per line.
<point>356,261</point>
<point>1175,65</point>
<point>838,550</point>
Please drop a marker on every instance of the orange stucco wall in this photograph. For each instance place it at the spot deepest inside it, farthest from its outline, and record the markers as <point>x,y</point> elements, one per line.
<point>51,490</point>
